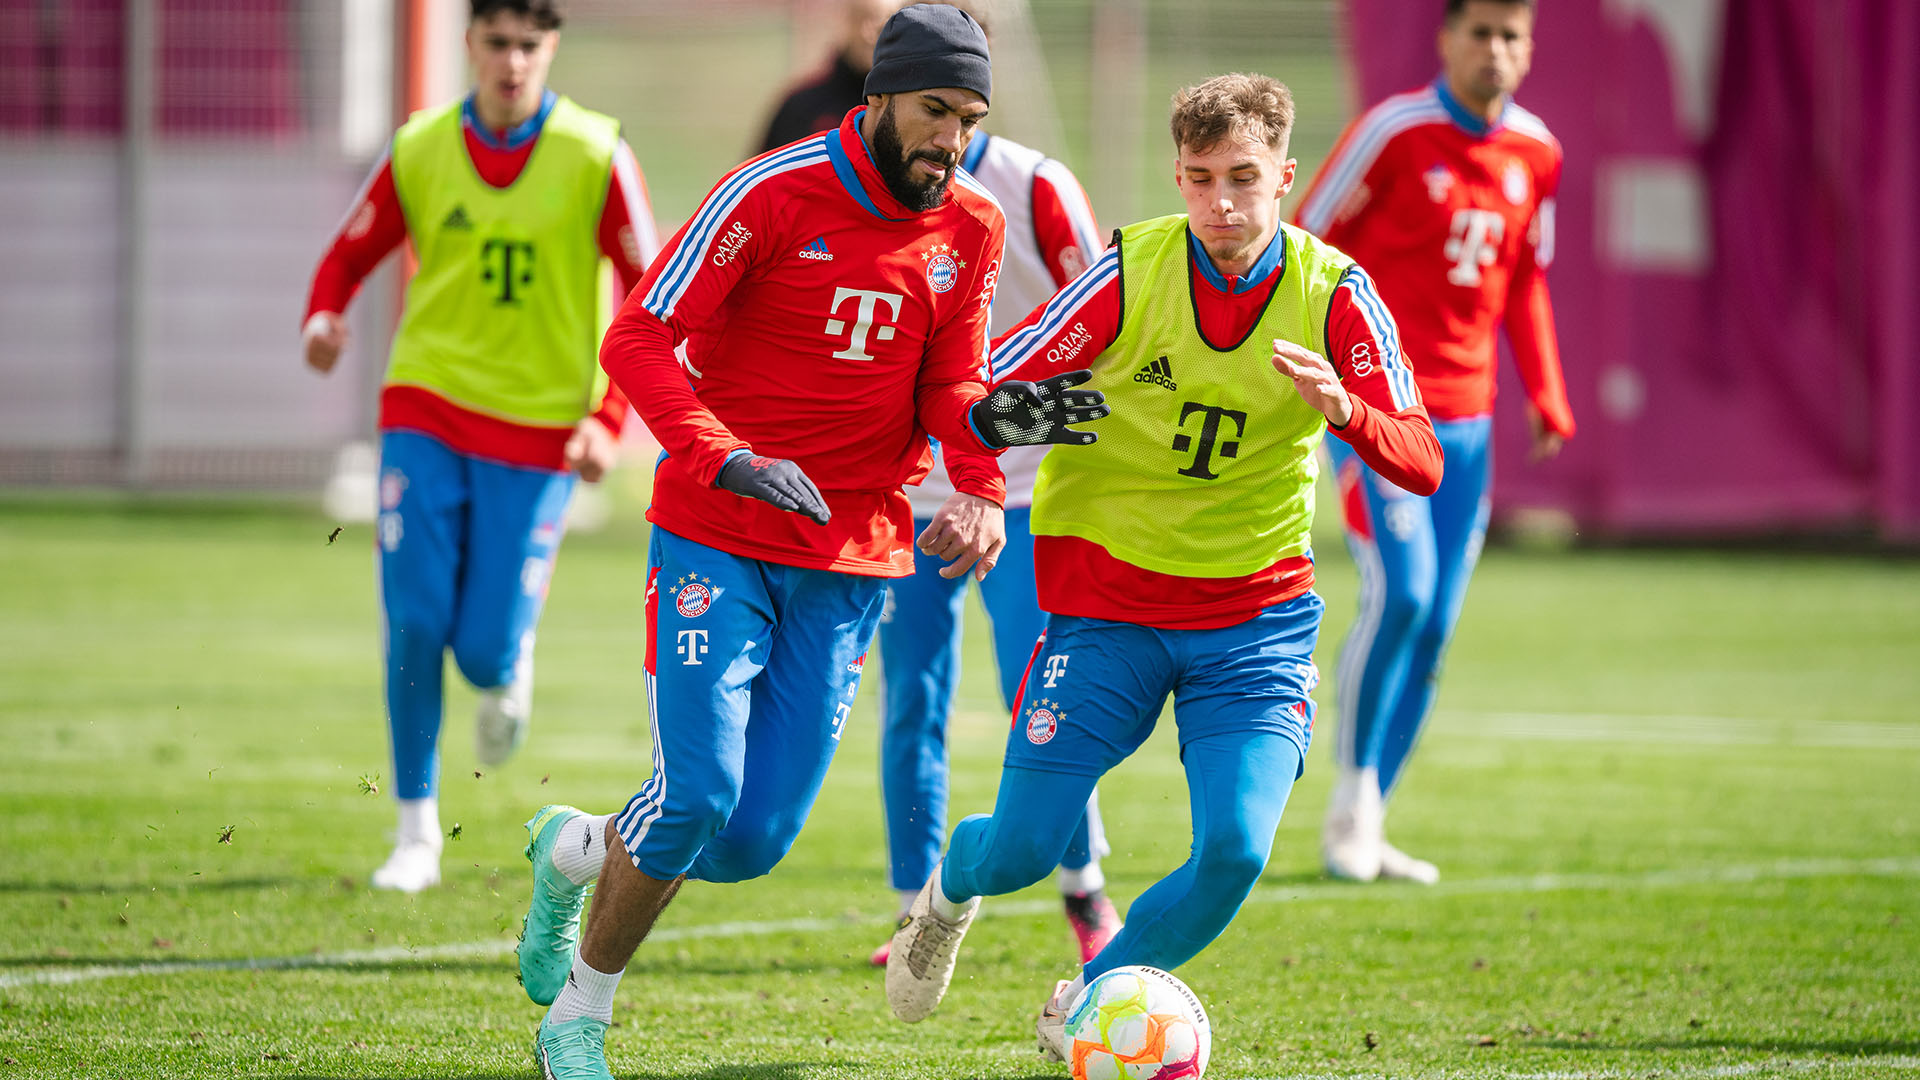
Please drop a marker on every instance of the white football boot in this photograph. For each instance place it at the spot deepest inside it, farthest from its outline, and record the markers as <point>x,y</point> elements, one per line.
<point>500,721</point>
<point>413,866</point>
<point>1351,840</point>
<point>921,956</point>
<point>1397,865</point>
<point>1052,1025</point>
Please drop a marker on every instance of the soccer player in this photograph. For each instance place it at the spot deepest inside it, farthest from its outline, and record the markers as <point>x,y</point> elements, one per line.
<point>832,299</point>
<point>818,103</point>
<point>1051,239</point>
<point>492,403</point>
<point>1445,194</point>
<point>1173,556</point>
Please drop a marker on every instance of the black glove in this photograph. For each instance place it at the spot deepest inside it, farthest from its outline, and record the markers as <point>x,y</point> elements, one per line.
<point>1034,413</point>
<point>776,481</point>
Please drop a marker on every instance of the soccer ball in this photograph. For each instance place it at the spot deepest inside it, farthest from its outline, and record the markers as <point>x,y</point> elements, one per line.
<point>1138,1023</point>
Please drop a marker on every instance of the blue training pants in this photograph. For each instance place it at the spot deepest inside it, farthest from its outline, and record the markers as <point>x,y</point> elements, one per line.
<point>752,668</point>
<point>920,638</point>
<point>464,551</point>
<point>1241,700</point>
<point>1415,556</point>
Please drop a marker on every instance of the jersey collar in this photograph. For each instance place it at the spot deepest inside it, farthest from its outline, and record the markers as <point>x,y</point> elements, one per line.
<point>1463,118</point>
<point>859,175</point>
<point>514,138</point>
<point>1265,269</point>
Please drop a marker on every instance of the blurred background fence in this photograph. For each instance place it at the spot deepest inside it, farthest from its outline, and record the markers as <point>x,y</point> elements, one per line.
<point>1736,283</point>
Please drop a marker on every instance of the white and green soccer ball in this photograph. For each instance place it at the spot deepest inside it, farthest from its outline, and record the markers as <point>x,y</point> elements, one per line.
<point>1138,1023</point>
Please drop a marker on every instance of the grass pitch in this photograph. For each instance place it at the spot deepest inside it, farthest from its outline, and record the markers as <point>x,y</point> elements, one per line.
<point>1673,795</point>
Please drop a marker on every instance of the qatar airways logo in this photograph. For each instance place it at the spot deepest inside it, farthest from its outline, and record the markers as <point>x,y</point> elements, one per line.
<point>736,238</point>
<point>1076,339</point>
<point>865,311</point>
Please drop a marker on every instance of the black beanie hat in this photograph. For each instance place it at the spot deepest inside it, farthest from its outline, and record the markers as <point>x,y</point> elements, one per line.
<point>926,46</point>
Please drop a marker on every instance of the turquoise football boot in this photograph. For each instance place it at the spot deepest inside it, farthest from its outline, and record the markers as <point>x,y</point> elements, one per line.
<point>575,1050</point>
<point>550,934</point>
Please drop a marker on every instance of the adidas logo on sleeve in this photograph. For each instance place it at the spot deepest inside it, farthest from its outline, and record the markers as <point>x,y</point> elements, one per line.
<point>1159,372</point>
<point>817,250</point>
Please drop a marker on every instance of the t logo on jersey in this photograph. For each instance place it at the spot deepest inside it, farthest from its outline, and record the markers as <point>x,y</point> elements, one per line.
<point>863,320</point>
<point>1210,440</point>
<point>1056,669</point>
<point>692,646</point>
<point>1473,241</point>
<point>506,263</point>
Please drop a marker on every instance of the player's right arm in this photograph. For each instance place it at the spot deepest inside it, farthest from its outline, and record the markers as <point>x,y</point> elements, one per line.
<point>1065,333</point>
<point>729,235</point>
<point>373,227</point>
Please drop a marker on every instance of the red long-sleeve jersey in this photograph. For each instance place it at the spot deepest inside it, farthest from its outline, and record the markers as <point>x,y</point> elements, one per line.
<point>1454,218</point>
<point>823,321</point>
<point>376,225</point>
<point>1389,429</point>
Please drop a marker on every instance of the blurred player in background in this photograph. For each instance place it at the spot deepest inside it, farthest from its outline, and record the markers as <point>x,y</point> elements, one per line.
<point>1051,238</point>
<point>493,402</point>
<point>832,300</point>
<point>1173,555</point>
<point>1445,194</point>
<point>819,103</point>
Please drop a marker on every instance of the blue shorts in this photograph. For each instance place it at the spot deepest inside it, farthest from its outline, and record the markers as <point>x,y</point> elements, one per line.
<point>751,668</point>
<point>1096,687</point>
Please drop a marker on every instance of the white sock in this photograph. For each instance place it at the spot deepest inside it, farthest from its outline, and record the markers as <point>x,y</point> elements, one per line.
<point>587,993</point>
<point>420,820</point>
<point>906,899</point>
<point>1075,988</point>
<point>1085,881</point>
<point>944,907</point>
<point>581,847</point>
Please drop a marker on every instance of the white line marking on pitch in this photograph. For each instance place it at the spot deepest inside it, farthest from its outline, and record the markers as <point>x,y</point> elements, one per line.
<point>1783,870</point>
<point>1686,730</point>
<point>1902,1063</point>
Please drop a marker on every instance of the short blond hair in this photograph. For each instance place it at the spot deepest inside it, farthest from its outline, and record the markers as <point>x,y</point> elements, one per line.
<point>1226,107</point>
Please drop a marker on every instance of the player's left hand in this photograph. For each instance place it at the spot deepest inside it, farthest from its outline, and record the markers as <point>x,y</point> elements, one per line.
<point>1315,380</point>
<point>968,530</point>
<point>1546,441</point>
<point>592,450</point>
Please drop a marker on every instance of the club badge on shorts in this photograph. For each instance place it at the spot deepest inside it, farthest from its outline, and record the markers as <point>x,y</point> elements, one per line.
<point>691,596</point>
<point>1043,721</point>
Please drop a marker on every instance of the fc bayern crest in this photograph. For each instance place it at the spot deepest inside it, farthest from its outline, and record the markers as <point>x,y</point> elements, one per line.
<point>691,597</point>
<point>1514,184</point>
<point>1042,723</point>
<point>943,270</point>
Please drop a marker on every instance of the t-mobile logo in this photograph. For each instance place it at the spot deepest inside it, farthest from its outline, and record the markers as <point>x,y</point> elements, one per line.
<point>692,646</point>
<point>1473,241</point>
<point>1056,669</point>
<point>863,320</point>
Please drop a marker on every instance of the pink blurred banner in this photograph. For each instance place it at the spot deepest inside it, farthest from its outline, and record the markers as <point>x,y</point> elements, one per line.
<point>1737,280</point>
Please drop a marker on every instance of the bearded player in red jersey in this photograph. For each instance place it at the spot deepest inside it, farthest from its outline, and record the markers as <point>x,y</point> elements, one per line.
<point>829,301</point>
<point>1445,194</point>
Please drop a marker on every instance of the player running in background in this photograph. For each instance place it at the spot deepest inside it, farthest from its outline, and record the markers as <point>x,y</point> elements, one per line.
<point>1173,556</point>
<point>492,402</point>
<point>832,300</point>
<point>1051,238</point>
<point>1445,194</point>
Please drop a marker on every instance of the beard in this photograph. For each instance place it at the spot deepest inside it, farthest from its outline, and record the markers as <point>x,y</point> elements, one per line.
<point>895,165</point>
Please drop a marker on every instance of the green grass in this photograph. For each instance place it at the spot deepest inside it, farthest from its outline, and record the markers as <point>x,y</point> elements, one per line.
<point>1673,795</point>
